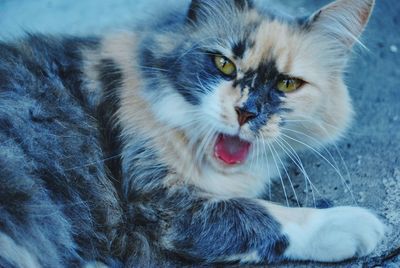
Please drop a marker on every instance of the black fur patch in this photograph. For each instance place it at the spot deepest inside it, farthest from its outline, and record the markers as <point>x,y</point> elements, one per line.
<point>264,98</point>
<point>239,49</point>
<point>111,78</point>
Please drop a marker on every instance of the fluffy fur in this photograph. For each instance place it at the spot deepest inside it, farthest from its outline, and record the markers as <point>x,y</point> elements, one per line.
<point>107,144</point>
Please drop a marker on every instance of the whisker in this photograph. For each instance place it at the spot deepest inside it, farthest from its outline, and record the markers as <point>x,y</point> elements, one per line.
<point>264,147</point>
<point>346,185</point>
<point>257,154</point>
<point>297,161</point>
<point>202,146</point>
<point>287,174</point>
<point>280,175</point>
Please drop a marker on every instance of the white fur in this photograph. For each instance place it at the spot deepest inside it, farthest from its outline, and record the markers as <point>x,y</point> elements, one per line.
<point>173,109</point>
<point>248,184</point>
<point>212,107</point>
<point>334,234</point>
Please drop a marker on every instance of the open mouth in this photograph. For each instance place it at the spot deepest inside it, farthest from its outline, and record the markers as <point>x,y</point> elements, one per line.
<point>231,149</point>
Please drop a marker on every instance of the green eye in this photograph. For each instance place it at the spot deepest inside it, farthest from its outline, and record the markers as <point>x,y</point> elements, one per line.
<point>289,84</point>
<point>225,65</point>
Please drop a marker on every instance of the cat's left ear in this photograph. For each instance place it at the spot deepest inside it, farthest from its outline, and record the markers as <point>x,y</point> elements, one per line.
<point>343,20</point>
<point>200,9</point>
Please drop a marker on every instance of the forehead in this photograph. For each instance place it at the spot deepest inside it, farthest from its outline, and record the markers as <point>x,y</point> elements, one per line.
<point>271,41</point>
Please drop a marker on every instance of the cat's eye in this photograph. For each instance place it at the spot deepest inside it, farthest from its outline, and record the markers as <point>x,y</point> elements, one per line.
<point>226,66</point>
<point>289,84</point>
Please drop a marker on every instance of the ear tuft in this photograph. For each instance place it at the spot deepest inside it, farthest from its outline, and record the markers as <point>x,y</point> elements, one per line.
<point>344,20</point>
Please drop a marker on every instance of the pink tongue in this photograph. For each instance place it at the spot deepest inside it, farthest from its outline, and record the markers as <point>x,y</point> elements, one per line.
<point>231,150</point>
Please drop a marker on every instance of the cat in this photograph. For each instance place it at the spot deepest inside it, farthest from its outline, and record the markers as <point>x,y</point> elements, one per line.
<point>152,147</point>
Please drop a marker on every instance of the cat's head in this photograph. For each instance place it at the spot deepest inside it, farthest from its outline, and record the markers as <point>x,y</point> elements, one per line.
<point>236,79</point>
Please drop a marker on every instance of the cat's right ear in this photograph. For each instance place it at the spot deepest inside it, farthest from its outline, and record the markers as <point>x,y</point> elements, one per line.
<point>343,20</point>
<point>201,9</point>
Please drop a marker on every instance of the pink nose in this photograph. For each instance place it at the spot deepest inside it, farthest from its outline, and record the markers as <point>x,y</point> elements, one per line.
<point>244,116</point>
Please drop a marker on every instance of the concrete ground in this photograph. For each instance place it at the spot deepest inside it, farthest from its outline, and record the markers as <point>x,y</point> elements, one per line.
<point>368,159</point>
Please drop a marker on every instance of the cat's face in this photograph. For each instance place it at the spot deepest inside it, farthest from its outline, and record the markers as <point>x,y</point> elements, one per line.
<point>240,81</point>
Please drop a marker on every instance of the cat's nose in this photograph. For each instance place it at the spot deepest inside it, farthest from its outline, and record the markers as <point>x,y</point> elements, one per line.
<point>244,116</point>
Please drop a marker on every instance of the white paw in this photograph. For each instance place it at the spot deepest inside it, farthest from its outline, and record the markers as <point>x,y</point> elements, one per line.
<point>334,234</point>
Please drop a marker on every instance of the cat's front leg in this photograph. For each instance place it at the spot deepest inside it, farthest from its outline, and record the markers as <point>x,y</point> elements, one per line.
<point>229,230</point>
<point>256,231</point>
<point>328,235</point>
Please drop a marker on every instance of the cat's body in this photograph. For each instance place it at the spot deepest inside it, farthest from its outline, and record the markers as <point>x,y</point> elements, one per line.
<point>139,147</point>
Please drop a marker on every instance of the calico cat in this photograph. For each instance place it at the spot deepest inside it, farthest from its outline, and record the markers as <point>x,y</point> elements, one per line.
<point>152,147</point>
